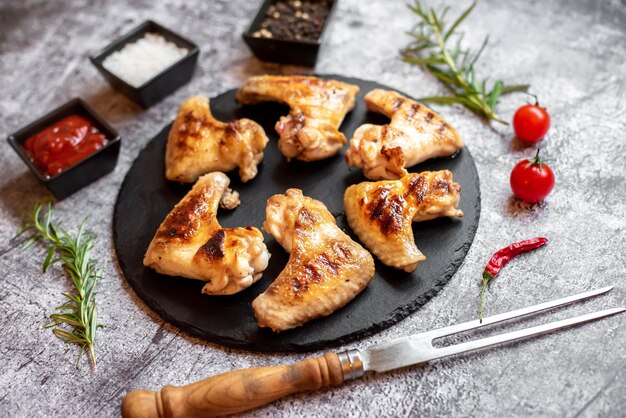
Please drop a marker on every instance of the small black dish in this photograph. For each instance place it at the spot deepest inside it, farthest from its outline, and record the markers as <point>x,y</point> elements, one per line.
<point>284,51</point>
<point>164,83</point>
<point>83,172</point>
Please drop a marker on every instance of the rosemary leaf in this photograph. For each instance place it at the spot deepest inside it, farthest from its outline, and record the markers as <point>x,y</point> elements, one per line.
<point>69,319</point>
<point>76,319</point>
<point>459,20</point>
<point>445,100</point>
<point>495,93</point>
<point>515,88</point>
<point>453,65</point>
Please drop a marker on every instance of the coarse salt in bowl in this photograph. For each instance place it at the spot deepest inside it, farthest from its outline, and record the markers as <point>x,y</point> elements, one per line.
<point>147,63</point>
<point>139,61</point>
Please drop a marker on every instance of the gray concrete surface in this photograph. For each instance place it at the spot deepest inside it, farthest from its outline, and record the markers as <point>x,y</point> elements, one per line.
<point>574,55</point>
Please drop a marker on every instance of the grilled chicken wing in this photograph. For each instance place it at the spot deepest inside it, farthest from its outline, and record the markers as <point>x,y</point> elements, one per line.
<point>191,243</point>
<point>310,131</point>
<point>326,269</point>
<point>415,134</point>
<point>199,144</point>
<point>381,213</point>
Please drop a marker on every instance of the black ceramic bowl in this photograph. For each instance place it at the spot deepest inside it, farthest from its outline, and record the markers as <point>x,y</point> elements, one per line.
<point>85,171</point>
<point>284,51</point>
<point>164,83</point>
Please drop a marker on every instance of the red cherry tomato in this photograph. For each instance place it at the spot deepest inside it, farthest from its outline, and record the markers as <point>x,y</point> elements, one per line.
<point>531,123</point>
<point>532,179</point>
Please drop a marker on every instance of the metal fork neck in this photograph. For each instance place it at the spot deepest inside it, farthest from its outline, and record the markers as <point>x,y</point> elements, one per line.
<point>351,364</point>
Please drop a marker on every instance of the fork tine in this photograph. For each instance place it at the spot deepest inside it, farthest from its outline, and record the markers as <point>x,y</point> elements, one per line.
<point>523,333</point>
<point>465,326</point>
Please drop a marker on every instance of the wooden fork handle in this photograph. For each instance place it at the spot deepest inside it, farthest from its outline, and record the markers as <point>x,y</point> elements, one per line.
<point>235,391</point>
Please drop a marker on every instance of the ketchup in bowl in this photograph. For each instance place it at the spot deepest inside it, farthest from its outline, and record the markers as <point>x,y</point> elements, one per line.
<point>63,144</point>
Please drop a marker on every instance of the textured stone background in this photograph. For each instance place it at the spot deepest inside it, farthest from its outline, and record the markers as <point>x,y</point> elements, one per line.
<point>574,55</point>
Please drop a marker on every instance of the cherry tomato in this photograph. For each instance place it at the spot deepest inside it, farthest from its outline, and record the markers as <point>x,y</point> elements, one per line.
<point>532,179</point>
<point>531,122</point>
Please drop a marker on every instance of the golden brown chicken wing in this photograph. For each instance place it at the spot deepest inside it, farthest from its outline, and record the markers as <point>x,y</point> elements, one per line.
<point>415,134</point>
<point>326,269</point>
<point>310,131</point>
<point>381,213</point>
<point>199,144</point>
<point>191,243</point>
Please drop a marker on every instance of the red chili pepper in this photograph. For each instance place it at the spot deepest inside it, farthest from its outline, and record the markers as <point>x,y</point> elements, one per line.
<point>501,258</point>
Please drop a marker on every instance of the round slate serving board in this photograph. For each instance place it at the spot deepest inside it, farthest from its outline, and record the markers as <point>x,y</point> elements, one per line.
<point>146,197</point>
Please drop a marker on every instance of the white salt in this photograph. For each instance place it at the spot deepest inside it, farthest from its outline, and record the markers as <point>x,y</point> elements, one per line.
<point>143,59</point>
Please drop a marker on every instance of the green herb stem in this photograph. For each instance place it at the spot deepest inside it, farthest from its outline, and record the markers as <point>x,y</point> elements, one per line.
<point>455,67</point>
<point>76,320</point>
<point>486,279</point>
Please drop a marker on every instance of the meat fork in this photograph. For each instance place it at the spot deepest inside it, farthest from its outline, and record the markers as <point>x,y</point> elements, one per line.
<point>241,390</point>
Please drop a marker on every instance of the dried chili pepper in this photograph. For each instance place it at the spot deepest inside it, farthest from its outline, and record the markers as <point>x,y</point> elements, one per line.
<point>501,258</point>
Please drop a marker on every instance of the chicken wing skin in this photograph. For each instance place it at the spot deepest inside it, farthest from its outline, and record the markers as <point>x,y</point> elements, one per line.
<point>199,144</point>
<point>191,243</point>
<point>381,213</point>
<point>326,269</point>
<point>311,130</point>
<point>415,134</point>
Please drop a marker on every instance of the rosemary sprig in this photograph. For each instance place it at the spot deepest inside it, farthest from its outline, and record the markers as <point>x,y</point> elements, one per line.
<point>75,321</point>
<point>454,66</point>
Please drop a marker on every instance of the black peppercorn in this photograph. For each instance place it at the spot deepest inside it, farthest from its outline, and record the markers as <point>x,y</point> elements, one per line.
<point>294,19</point>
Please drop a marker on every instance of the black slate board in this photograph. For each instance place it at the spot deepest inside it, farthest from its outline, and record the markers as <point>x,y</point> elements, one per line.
<point>145,198</point>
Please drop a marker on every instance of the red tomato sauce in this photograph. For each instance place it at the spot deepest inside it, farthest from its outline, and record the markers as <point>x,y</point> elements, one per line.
<point>63,144</point>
